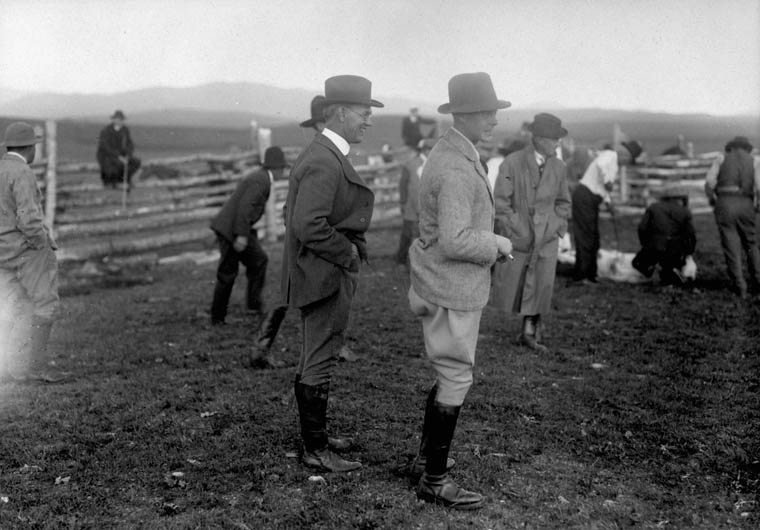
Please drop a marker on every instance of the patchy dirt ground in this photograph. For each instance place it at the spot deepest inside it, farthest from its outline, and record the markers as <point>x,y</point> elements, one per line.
<point>645,415</point>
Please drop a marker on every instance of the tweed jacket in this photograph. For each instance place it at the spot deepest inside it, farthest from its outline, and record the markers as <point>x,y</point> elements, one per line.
<point>329,208</point>
<point>451,260</point>
<point>21,215</point>
<point>244,207</point>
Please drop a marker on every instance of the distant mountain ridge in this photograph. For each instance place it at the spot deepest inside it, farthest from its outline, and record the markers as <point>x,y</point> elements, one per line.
<point>268,104</point>
<point>234,105</point>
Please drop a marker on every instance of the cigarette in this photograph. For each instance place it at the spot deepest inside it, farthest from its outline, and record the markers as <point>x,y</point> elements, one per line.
<point>510,257</point>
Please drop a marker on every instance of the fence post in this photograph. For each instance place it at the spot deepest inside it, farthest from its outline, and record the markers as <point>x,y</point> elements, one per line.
<point>50,172</point>
<point>270,211</point>
<point>265,141</point>
<point>624,185</point>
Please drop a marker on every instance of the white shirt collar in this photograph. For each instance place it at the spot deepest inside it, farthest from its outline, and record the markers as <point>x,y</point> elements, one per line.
<point>540,159</point>
<point>271,177</point>
<point>338,140</point>
<point>14,153</point>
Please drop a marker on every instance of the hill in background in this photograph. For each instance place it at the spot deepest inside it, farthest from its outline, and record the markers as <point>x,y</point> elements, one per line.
<point>217,117</point>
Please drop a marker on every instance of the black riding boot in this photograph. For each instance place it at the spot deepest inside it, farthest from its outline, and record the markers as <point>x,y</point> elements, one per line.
<point>312,411</point>
<point>529,336</point>
<point>418,466</point>
<point>435,485</point>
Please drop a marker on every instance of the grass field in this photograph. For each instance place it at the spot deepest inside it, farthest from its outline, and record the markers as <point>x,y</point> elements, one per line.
<point>645,415</point>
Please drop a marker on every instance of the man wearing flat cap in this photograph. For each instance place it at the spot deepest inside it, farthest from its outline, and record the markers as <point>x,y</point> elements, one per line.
<point>733,188</point>
<point>238,240</point>
<point>28,266</point>
<point>115,151</point>
<point>592,191</point>
<point>450,265</point>
<point>532,208</point>
<point>329,208</point>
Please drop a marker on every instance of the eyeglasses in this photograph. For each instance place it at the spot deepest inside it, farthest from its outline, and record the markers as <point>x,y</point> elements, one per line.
<point>363,115</point>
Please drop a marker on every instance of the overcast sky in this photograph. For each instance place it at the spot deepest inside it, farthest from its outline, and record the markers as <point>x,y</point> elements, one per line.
<point>662,55</point>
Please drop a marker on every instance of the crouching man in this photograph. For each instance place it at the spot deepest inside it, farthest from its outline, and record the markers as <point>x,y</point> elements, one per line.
<point>450,266</point>
<point>667,237</point>
<point>28,266</point>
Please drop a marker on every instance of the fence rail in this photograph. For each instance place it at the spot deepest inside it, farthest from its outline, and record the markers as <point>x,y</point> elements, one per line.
<point>90,221</point>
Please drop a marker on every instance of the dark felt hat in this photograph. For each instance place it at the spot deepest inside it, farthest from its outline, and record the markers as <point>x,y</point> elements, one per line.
<point>20,134</point>
<point>118,114</point>
<point>317,106</point>
<point>739,141</point>
<point>274,158</point>
<point>634,147</point>
<point>547,125</point>
<point>351,89</point>
<point>472,93</point>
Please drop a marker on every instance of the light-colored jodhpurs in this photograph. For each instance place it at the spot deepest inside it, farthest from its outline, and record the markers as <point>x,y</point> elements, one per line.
<point>450,340</point>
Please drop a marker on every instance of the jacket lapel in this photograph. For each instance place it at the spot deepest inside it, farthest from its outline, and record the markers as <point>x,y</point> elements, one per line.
<point>348,170</point>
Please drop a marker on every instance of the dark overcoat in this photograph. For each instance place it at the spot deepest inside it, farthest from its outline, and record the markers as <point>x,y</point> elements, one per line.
<point>111,145</point>
<point>244,207</point>
<point>532,209</point>
<point>329,208</point>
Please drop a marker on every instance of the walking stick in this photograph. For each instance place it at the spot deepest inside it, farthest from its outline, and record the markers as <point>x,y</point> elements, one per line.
<point>125,185</point>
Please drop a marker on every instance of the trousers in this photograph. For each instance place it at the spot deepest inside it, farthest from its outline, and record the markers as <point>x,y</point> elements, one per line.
<point>33,276</point>
<point>451,337</point>
<point>585,228</point>
<point>323,325</point>
<point>254,259</point>
<point>735,216</point>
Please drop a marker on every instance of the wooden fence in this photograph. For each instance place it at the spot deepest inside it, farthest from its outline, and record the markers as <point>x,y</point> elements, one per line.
<point>89,221</point>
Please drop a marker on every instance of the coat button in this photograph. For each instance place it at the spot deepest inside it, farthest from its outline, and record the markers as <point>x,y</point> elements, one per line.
<point>362,219</point>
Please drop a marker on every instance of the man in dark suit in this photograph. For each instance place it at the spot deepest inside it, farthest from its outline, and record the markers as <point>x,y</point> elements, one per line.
<point>238,241</point>
<point>115,150</point>
<point>411,128</point>
<point>329,208</point>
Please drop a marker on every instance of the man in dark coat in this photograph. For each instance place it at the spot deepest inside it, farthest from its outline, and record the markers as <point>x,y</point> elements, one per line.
<point>667,237</point>
<point>408,191</point>
<point>411,131</point>
<point>238,241</point>
<point>329,209</point>
<point>115,149</point>
<point>733,187</point>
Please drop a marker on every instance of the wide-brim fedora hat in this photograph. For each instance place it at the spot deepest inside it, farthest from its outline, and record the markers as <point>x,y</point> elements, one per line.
<point>472,92</point>
<point>350,89</point>
<point>118,114</point>
<point>741,142</point>
<point>317,112</point>
<point>20,134</point>
<point>547,126</point>
<point>274,158</point>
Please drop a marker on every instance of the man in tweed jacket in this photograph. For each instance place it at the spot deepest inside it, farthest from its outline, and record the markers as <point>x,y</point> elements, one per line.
<point>450,267</point>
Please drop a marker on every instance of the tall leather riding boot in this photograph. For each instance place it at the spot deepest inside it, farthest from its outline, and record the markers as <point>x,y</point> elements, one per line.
<point>528,336</point>
<point>435,485</point>
<point>312,411</point>
<point>418,466</point>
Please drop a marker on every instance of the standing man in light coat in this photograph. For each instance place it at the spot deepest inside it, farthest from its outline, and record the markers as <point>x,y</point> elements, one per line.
<point>329,209</point>
<point>532,207</point>
<point>28,266</point>
<point>450,267</point>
